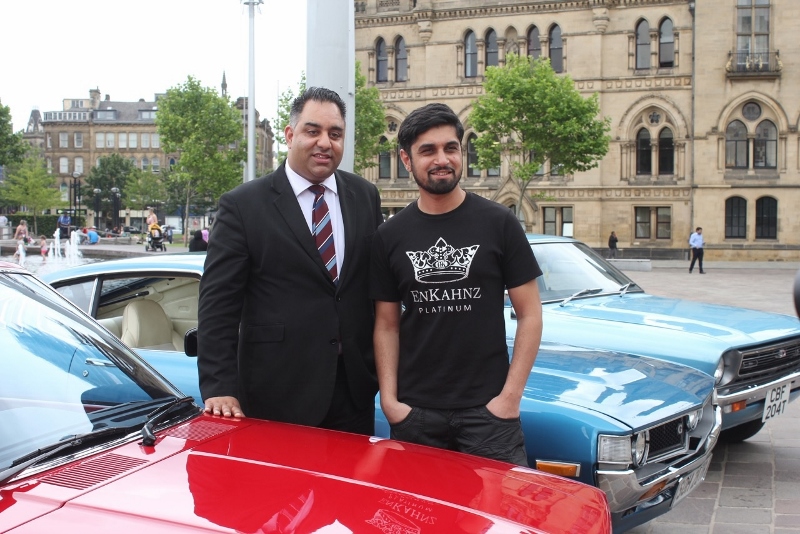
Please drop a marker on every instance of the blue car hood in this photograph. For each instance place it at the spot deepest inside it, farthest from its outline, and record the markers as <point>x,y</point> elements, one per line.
<point>689,332</point>
<point>634,390</point>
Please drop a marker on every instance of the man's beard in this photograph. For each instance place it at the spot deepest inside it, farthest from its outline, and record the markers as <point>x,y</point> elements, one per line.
<point>437,186</point>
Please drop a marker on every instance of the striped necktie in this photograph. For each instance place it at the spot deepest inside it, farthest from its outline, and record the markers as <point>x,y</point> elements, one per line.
<point>322,229</point>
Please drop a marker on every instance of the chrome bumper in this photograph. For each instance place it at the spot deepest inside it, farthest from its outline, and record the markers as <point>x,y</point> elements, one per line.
<point>623,490</point>
<point>756,393</point>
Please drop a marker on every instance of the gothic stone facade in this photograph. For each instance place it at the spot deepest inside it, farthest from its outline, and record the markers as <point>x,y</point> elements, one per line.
<point>710,143</point>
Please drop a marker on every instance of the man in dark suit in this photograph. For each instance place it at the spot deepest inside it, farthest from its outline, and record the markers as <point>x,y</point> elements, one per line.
<point>282,334</point>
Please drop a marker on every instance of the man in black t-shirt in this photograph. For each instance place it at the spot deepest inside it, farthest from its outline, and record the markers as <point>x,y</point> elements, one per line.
<point>438,274</point>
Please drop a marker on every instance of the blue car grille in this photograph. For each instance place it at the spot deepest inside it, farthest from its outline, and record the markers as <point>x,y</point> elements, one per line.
<point>667,439</point>
<point>766,363</point>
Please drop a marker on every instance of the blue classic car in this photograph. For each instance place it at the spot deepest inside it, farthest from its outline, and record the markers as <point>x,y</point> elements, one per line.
<point>639,428</point>
<point>753,356</point>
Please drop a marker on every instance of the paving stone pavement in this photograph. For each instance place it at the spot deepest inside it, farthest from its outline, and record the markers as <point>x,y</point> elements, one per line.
<point>751,487</point>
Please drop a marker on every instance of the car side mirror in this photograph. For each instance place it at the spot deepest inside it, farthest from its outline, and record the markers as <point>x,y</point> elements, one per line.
<point>190,342</point>
<point>797,293</point>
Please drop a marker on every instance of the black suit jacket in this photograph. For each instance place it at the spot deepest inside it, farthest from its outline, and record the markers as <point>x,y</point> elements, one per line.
<point>270,318</point>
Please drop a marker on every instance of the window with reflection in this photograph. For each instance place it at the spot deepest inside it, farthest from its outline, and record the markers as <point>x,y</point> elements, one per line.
<point>644,156</point>
<point>534,44</point>
<point>765,146</point>
<point>384,161</point>
<point>382,62</point>
<point>491,58</point>
<point>752,28</point>
<point>402,172</point>
<point>642,216</point>
<point>556,49</point>
<point>766,218</point>
<point>663,222</point>
<point>736,156</point>
<point>400,60</point>
<point>735,217</point>
<point>470,55</point>
<point>666,152</point>
<point>643,45</point>
<point>666,44</point>
<point>472,157</point>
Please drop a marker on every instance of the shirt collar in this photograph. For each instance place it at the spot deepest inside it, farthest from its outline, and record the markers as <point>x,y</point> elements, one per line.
<point>300,184</point>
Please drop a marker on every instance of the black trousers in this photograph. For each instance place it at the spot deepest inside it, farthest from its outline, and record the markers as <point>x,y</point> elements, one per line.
<point>471,430</point>
<point>343,414</point>
<point>697,255</point>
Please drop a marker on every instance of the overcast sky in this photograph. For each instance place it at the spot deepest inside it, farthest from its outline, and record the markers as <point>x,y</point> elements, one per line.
<point>56,49</point>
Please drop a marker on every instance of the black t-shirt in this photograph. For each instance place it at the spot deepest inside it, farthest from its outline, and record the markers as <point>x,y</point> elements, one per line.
<point>450,272</point>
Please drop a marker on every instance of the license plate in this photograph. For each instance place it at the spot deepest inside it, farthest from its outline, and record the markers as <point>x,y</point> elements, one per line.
<point>690,481</point>
<point>776,401</point>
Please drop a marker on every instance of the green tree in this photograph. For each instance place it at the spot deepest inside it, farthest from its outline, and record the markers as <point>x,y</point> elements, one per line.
<point>282,119</point>
<point>205,130</point>
<point>12,147</point>
<point>30,185</point>
<point>530,115</point>
<point>111,171</point>
<point>370,123</point>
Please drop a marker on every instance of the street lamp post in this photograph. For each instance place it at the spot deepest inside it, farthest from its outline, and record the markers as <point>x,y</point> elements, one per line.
<point>115,204</point>
<point>97,208</point>
<point>76,192</point>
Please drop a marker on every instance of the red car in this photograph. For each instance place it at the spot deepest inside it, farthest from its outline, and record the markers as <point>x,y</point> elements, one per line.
<point>92,440</point>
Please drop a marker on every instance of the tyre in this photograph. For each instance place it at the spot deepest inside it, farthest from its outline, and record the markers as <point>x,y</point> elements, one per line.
<point>742,432</point>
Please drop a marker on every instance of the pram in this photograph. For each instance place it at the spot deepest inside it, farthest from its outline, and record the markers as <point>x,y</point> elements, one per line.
<point>155,239</point>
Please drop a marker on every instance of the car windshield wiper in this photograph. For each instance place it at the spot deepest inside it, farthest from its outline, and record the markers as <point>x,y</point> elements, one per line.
<point>157,415</point>
<point>43,453</point>
<point>581,293</point>
<point>624,289</point>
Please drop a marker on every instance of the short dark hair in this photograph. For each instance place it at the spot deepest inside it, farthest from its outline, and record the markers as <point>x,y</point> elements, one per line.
<point>423,119</point>
<point>318,94</point>
<point>698,228</point>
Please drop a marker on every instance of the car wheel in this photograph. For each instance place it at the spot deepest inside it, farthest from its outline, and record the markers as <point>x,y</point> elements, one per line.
<point>742,432</point>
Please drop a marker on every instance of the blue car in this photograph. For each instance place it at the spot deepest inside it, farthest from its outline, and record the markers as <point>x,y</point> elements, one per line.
<point>639,428</point>
<point>753,356</point>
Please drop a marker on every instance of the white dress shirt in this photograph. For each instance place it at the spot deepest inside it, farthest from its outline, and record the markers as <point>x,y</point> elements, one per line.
<point>306,200</point>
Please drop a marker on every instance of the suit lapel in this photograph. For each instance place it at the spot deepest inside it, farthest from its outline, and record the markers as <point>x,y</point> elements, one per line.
<point>347,203</point>
<point>287,205</point>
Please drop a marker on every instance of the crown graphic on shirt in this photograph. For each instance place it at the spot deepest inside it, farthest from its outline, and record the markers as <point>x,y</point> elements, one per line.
<point>442,262</point>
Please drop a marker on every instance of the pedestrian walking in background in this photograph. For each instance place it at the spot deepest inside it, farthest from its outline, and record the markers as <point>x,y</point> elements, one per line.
<point>612,246</point>
<point>697,243</point>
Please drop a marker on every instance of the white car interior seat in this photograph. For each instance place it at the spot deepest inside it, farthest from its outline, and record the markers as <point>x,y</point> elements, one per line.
<point>146,326</point>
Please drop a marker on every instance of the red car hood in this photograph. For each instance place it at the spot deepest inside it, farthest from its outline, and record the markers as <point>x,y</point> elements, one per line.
<point>213,475</point>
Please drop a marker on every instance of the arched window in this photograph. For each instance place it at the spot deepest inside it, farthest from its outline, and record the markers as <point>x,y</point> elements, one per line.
<point>134,163</point>
<point>491,59</point>
<point>766,218</point>
<point>666,44</point>
<point>735,217</point>
<point>470,56</point>
<point>765,146</point>
<point>472,157</point>
<point>402,172</point>
<point>556,49</point>
<point>384,160</point>
<point>644,156</point>
<point>534,44</point>
<point>736,146</point>
<point>145,164</point>
<point>400,60</point>
<point>171,163</point>
<point>382,59</point>
<point>666,152</point>
<point>643,45</point>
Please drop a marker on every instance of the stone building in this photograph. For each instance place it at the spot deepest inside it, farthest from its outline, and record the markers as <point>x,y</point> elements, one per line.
<point>701,95</point>
<point>89,128</point>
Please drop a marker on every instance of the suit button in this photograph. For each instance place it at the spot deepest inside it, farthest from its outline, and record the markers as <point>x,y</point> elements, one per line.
<point>334,341</point>
<point>338,299</point>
